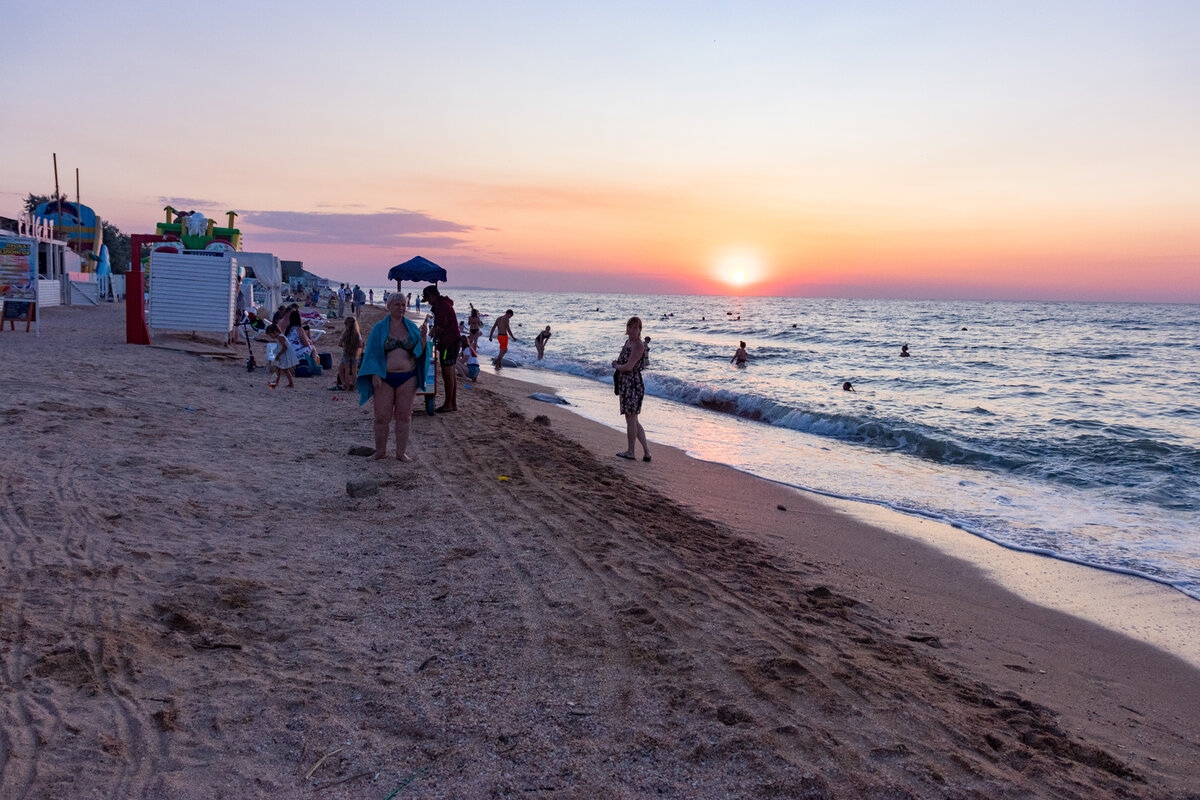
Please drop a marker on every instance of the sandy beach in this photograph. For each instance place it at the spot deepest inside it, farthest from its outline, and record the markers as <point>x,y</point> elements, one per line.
<point>194,604</point>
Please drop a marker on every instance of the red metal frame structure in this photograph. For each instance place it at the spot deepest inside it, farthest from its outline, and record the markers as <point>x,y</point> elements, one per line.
<point>136,331</point>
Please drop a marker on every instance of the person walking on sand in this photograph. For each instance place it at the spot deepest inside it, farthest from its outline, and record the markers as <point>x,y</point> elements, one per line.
<point>474,326</point>
<point>503,324</point>
<point>739,357</point>
<point>540,342</point>
<point>629,387</point>
<point>285,360</point>
<point>393,365</point>
<point>448,340</point>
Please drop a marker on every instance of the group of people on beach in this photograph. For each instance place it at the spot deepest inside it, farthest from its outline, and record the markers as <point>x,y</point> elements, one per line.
<point>389,366</point>
<point>394,362</point>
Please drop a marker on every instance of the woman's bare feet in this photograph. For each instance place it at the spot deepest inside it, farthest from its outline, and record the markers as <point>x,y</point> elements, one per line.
<point>404,457</point>
<point>379,455</point>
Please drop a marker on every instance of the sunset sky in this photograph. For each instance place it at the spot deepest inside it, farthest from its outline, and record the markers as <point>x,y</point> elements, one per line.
<point>943,149</point>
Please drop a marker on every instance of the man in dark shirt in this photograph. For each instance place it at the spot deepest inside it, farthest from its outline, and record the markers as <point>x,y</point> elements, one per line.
<point>447,339</point>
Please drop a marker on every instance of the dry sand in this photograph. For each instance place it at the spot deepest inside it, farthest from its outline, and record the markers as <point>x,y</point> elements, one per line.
<point>192,606</point>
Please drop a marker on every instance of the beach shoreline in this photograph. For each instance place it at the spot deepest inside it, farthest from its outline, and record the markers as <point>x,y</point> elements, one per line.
<point>516,612</point>
<point>1132,605</point>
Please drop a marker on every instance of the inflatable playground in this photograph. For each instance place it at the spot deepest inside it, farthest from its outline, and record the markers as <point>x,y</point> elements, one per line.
<point>83,230</point>
<point>190,230</point>
<point>191,275</point>
<point>84,234</point>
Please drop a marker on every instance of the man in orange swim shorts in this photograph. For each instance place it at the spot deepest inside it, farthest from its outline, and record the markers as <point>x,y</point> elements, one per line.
<point>504,326</point>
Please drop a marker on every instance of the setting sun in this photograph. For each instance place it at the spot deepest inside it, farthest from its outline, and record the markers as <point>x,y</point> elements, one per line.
<point>738,268</point>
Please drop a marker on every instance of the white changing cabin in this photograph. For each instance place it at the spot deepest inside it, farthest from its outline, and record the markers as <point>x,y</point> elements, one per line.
<point>195,290</point>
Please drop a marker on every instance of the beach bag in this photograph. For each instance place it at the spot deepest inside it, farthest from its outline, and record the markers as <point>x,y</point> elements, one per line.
<point>326,361</point>
<point>308,367</point>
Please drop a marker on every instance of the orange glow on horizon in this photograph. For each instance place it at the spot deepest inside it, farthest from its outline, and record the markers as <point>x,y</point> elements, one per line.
<point>738,268</point>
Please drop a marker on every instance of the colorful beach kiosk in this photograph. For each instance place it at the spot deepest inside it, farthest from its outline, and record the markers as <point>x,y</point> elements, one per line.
<point>18,281</point>
<point>193,273</point>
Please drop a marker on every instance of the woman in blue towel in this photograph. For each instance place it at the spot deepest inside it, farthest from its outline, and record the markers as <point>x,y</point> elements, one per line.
<point>393,366</point>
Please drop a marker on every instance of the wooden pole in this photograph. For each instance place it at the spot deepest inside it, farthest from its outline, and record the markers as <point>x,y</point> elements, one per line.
<point>56,181</point>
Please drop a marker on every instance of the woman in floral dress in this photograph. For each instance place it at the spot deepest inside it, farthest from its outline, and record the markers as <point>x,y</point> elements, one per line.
<point>630,389</point>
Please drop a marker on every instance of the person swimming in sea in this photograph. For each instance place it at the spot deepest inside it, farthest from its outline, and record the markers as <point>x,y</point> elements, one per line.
<point>847,387</point>
<point>904,351</point>
<point>739,356</point>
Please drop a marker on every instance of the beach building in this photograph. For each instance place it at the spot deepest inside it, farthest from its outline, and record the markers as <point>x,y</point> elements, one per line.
<point>55,260</point>
<point>298,278</point>
<point>293,273</point>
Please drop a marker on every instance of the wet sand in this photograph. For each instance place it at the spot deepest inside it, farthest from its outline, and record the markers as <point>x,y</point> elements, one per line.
<point>192,605</point>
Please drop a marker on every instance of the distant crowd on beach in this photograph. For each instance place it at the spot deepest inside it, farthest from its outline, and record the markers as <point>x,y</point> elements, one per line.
<point>388,365</point>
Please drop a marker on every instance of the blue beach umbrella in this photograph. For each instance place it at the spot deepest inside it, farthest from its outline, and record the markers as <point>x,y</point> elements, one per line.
<point>417,269</point>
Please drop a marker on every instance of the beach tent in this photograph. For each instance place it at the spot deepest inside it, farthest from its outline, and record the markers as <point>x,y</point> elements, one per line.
<point>268,271</point>
<point>419,269</point>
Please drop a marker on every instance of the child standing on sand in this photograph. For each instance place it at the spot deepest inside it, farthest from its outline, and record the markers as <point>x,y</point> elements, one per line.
<point>285,357</point>
<point>351,343</point>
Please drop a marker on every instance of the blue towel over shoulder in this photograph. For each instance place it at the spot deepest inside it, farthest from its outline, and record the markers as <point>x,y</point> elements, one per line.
<point>374,362</point>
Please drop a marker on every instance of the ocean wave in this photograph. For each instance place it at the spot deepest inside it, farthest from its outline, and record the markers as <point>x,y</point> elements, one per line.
<point>870,431</point>
<point>1027,542</point>
<point>1140,470</point>
<point>1098,455</point>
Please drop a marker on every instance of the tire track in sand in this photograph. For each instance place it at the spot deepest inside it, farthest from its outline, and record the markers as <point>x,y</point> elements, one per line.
<point>22,732</point>
<point>742,636</point>
<point>57,577</point>
<point>639,587</point>
<point>564,626</point>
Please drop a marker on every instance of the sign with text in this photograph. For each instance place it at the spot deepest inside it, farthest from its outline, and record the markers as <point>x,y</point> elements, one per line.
<point>18,268</point>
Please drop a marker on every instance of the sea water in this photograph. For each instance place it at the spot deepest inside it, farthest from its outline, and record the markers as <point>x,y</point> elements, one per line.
<point>1066,429</point>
